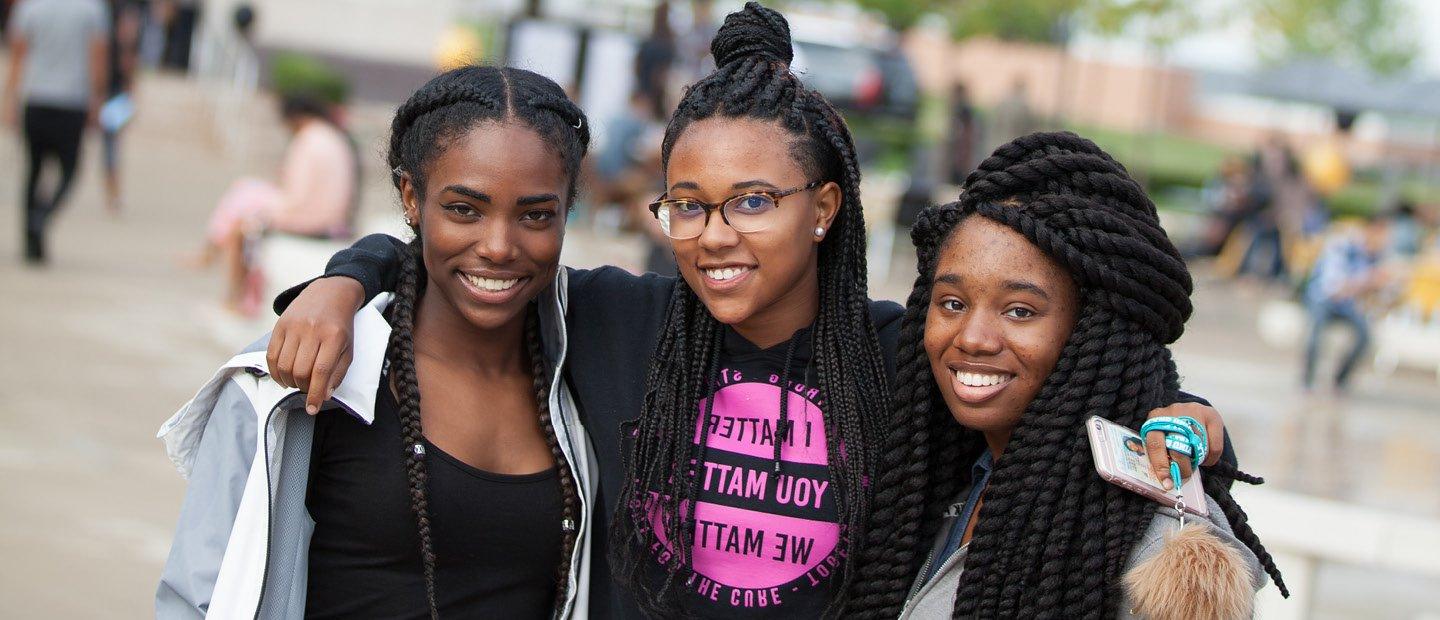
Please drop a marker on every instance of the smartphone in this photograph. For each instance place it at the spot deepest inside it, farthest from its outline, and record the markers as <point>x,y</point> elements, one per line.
<point>1120,459</point>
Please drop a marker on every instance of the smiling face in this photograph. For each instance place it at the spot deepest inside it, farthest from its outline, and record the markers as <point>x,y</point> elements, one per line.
<point>1000,313</point>
<point>491,227</point>
<point>760,282</point>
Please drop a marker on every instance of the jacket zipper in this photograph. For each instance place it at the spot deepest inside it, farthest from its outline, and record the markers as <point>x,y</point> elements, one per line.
<point>557,385</point>
<point>919,585</point>
<point>269,514</point>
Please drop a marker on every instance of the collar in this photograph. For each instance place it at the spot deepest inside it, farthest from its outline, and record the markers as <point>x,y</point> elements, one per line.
<point>372,334</point>
<point>983,465</point>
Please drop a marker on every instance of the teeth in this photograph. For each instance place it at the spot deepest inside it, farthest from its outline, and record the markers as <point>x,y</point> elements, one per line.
<point>726,273</point>
<point>491,284</point>
<point>975,379</point>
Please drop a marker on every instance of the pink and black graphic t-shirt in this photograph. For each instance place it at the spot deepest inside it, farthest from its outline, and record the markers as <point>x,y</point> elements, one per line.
<point>766,544</point>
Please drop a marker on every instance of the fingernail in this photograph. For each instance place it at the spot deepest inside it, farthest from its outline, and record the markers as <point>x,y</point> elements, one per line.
<point>1165,482</point>
<point>312,410</point>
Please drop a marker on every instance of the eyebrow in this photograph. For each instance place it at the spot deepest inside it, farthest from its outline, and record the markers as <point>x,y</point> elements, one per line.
<point>754,183</point>
<point>523,201</point>
<point>1021,285</point>
<point>467,192</point>
<point>526,201</point>
<point>1010,285</point>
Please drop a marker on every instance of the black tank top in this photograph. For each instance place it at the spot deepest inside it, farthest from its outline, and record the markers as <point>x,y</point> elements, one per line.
<point>496,538</point>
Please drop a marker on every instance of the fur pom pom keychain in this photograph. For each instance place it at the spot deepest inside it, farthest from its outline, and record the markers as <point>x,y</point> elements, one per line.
<point>1195,575</point>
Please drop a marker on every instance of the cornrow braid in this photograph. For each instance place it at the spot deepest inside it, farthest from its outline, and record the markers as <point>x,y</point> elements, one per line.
<point>753,80</point>
<point>441,111</point>
<point>1054,539</point>
<point>457,100</point>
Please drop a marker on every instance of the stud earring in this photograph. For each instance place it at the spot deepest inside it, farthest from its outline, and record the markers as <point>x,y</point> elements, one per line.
<point>819,231</point>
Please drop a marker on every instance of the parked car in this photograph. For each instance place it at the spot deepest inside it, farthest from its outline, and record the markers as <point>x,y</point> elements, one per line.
<point>859,79</point>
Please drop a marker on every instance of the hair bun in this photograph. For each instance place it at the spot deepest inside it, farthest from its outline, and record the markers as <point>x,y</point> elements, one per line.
<point>754,31</point>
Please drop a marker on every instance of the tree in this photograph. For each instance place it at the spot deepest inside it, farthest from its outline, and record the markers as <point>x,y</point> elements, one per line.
<point>902,14</point>
<point>1163,21</point>
<point>1039,21</point>
<point>1376,34</point>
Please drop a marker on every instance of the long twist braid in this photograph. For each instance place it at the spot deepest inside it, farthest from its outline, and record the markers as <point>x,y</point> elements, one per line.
<point>1053,538</point>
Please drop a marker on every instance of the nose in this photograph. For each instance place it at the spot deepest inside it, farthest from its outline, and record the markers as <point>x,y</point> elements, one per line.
<point>496,243</point>
<point>979,335</point>
<point>718,235</point>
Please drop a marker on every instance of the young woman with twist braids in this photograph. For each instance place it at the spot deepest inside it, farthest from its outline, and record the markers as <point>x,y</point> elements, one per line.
<point>1047,294</point>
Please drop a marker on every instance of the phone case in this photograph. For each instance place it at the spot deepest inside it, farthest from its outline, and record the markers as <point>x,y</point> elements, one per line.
<point>1117,460</point>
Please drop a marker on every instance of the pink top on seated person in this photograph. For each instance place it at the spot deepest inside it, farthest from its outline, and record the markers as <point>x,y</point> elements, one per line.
<point>314,197</point>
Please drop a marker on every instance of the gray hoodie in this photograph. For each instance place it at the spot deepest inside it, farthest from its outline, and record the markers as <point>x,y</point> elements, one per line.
<point>935,597</point>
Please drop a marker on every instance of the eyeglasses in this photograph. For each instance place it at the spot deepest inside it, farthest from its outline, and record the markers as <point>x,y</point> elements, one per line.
<point>685,218</point>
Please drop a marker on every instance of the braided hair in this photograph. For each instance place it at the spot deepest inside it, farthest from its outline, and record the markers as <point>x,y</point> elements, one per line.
<point>752,79</point>
<point>1054,538</point>
<point>441,111</point>
<point>453,102</point>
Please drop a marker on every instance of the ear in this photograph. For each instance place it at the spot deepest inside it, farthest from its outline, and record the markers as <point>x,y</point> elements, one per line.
<point>410,200</point>
<point>828,199</point>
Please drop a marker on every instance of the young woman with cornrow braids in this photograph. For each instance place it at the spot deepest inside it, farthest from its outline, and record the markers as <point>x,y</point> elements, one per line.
<point>454,478</point>
<point>1047,294</point>
<point>737,411</point>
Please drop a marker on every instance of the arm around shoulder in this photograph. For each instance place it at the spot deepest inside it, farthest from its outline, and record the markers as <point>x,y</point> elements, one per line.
<point>374,261</point>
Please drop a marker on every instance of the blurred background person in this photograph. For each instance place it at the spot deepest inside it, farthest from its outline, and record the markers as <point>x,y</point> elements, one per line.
<point>1224,196</point>
<point>623,180</point>
<point>962,137</point>
<point>1349,269</point>
<point>60,48</point>
<point>119,107</point>
<point>693,44</point>
<point>180,19</point>
<point>1406,232</point>
<point>654,59</point>
<point>1012,116</point>
<point>1264,258</point>
<point>314,198</point>
<point>5,6</point>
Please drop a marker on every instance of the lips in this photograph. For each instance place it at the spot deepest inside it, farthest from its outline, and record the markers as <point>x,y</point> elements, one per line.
<point>725,277</point>
<point>492,288</point>
<point>975,386</point>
